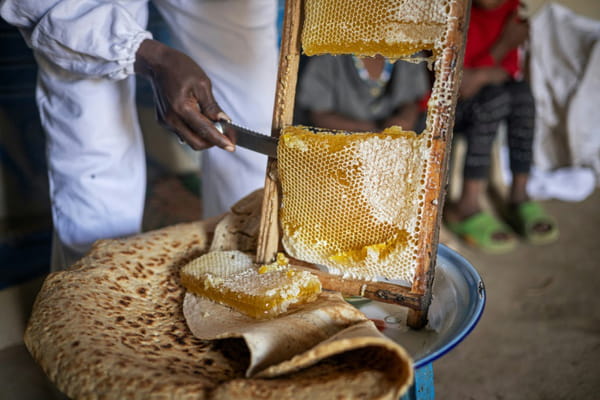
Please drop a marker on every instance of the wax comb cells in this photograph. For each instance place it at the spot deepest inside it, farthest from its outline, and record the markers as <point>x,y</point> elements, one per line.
<point>357,210</point>
<point>392,28</point>
<point>231,278</point>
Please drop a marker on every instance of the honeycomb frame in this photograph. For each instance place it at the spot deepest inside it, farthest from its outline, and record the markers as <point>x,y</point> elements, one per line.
<point>447,55</point>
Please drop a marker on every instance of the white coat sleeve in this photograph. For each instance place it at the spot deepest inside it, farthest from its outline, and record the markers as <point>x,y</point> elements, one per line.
<point>94,38</point>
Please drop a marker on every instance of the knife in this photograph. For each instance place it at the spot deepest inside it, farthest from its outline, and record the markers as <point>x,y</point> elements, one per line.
<point>250,139</point>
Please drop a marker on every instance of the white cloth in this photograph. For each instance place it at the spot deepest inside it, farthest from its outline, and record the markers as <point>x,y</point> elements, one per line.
<point>565,81</point>
<point>85,50</point>
<point>566,183</point>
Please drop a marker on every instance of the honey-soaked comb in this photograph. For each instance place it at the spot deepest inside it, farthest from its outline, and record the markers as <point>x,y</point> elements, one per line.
<point>353,202</point>
<point>232,279</point>
<point>392,28</point>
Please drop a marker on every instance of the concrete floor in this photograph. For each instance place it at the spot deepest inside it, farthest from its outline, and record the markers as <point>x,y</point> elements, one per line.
<point>539,337</point>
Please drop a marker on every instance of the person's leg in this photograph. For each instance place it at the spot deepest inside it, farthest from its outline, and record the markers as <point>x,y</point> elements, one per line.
<point>520,124</point>
<point>235,43</point>
<point>527,217</point>
<point>479,119</point>
<point>96,159</point>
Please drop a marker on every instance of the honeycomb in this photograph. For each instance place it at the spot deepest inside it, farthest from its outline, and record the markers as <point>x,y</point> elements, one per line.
<point>392,28</point>
<point>231,278</point>
<point>353,202</point>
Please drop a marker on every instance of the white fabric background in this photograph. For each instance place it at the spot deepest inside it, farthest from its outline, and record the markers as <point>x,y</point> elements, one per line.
<point>565,80</point>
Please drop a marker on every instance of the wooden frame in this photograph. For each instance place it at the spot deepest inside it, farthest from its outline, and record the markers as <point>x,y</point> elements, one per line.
<point>448,68</point>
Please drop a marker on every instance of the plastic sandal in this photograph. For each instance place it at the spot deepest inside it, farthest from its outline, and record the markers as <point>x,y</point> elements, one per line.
<point>478,231</point>
<point>524,217</point>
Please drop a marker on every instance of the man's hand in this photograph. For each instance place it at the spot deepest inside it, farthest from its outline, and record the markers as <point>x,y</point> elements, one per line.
<point>182,95</point>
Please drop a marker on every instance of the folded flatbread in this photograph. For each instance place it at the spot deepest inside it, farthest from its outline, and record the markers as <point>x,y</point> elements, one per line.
<point>112,327</point>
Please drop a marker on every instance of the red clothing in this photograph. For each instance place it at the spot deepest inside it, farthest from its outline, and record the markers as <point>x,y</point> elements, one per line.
<point>484,29</point>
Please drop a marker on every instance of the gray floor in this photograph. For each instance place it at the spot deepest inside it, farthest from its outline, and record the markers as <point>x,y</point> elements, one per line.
<point>539,337</point>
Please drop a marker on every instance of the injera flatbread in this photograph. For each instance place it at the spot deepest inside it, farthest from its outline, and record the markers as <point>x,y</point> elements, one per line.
<point>112,327</point>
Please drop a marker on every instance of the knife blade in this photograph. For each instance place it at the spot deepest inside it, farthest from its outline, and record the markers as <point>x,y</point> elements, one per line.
<point>250,139</point>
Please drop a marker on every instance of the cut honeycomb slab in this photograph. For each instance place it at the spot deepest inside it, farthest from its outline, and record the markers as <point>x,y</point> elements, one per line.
<point>392,28</point>
<point>232,279</point>
<point>353,202</point>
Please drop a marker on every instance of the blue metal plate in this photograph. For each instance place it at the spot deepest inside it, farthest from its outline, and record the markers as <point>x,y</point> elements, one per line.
<point>457,305</point>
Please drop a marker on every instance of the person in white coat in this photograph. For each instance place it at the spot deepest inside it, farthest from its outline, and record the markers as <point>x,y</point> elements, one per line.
<point>222,65</point>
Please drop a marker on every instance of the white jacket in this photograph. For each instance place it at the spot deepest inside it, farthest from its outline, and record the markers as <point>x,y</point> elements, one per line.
<point>108,35</point>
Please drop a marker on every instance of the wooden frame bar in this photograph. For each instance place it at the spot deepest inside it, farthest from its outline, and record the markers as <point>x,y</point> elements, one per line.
<point>283,113</point>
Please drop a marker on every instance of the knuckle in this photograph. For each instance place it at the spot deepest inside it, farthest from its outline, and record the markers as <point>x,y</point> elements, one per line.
<point>202,133</point>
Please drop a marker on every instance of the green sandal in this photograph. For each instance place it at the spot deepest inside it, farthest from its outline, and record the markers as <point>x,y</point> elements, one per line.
<point>523,219</point>
<point>478,231</point>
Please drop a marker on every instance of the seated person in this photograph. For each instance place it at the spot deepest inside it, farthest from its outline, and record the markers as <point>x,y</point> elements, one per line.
<point>491,92</point>
<point>360,94</point>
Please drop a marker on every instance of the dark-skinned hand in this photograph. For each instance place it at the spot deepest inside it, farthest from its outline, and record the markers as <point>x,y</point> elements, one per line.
<point>182,96</point>
<point>515,32</point>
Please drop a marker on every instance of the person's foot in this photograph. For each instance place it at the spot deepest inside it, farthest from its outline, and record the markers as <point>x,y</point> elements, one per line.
<point>540,226</point>
<point>479,228</point>
<point>531,221</point>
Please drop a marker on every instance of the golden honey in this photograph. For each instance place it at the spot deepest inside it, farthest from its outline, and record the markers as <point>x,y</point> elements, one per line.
<point>392,28</point>
<point>230,278</point>
<point>352,202</point>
